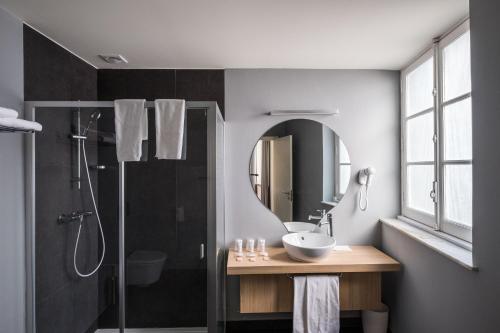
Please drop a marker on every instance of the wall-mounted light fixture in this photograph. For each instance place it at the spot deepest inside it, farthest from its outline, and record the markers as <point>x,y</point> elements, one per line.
<point>303,113</point>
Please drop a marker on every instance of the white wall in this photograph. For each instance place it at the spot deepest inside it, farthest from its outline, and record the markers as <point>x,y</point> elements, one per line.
<point>433,294</point>
<point>368,124</point>
<point>368,101</point>
<point>12,267</point>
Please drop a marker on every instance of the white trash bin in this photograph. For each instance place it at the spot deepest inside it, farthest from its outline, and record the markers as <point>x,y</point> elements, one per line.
<point>375,321</point>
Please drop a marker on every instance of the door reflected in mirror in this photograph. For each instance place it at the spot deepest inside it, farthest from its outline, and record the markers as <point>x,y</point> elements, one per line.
<point>300,170</point>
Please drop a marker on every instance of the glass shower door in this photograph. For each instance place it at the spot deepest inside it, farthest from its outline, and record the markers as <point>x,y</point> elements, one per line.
<point>166,227</point>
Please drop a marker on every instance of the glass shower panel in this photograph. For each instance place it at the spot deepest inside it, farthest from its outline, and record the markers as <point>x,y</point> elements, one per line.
<point>165,227</point>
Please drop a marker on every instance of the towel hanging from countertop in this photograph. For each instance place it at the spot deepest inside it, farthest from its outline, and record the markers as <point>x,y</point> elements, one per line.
<point>316,307</point>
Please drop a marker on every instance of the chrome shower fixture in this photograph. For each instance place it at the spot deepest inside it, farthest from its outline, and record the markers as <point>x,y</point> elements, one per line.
<point>93,118</point>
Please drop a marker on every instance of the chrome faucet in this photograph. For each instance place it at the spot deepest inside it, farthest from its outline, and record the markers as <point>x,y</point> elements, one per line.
<point>320,217</point>
<point>329,221</point>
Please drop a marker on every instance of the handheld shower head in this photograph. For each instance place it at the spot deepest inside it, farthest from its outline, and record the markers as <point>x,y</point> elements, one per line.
<point>95,115</point>
<point>92,119</point>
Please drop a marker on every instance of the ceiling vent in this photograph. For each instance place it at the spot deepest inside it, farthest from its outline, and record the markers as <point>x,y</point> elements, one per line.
<point>113,58</point>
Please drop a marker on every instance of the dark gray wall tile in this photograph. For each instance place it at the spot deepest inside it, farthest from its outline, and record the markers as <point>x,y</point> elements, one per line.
<point>64,302</point>
<point>148,84</point>
<point>200,85</point>
<point>52,73</point>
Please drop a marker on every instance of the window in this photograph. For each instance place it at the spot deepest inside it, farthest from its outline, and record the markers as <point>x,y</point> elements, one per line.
<point>437,136</point>
<point>344,167</point>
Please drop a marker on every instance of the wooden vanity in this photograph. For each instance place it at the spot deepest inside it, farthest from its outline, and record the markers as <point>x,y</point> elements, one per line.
<point>267,286</point>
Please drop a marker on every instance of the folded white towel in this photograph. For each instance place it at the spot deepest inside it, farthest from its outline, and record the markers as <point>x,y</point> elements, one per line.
<point>170,122</point>
<point>316,306</point>
<point>20,124</point>
<point>130,116</point>
<point>8,113</point>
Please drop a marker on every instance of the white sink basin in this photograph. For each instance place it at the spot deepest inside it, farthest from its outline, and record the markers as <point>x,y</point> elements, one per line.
<point>308,246</point>
<point>301,226</point>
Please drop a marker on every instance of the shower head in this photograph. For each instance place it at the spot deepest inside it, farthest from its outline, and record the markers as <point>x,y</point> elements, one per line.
<point>92,119</point>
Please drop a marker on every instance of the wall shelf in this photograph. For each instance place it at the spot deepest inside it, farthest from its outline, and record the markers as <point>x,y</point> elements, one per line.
<point>8,129</point>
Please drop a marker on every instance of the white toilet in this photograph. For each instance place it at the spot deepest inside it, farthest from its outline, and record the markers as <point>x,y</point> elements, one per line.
<point>144,267</point>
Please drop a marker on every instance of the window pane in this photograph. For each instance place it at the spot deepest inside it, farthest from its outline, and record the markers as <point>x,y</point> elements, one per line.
<point>457,126</point>
<point>419,144</point>
<point>419,186</point>
<point>456,67</point>
<point>343,155</point>
<point>419,87</point>
<point>458,193</point>
<point>345,174</point>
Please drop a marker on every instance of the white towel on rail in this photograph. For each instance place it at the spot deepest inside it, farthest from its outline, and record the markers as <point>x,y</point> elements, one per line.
<point>20,124</point>
<point>170,119</point>
<point>316,306</point>
<point>8,113</point>
<point>130,117</point>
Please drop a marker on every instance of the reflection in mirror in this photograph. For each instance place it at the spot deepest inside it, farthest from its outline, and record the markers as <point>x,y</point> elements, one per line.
<point>300,169</point>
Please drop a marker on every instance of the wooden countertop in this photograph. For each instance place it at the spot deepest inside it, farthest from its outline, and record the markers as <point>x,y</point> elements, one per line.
<point>359,259</point>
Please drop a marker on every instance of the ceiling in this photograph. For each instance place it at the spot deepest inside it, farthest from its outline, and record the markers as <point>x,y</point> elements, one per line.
<point>354,34</point>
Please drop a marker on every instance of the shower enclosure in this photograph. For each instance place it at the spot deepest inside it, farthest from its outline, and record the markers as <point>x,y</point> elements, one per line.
<point>162,222</point>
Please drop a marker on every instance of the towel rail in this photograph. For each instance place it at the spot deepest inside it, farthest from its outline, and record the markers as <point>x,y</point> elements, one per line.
<point>332,274</point>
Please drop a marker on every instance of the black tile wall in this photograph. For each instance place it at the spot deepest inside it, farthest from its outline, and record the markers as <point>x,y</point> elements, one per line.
<point>52,73</point>
<point>150,84</point>
<point>64,302</point>
<point>200,85</point>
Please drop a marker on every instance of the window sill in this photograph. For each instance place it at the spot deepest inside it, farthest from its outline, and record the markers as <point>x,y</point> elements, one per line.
<point>446,247</point>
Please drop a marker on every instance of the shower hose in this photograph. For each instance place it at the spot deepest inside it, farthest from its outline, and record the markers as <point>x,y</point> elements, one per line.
<point>81,221</point>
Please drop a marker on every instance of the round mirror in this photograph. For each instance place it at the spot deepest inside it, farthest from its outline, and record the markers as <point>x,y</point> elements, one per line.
<point>300,170</point>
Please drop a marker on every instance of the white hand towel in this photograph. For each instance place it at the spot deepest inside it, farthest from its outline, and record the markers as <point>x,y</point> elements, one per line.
<point>130,116</point>
<point>145,125</point>
<point>20,124</point>
<point>8,113</point>
<point>316,306</point>
<point>170,121</point>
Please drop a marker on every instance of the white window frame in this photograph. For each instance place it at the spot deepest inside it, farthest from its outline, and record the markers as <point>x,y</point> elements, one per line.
<point>423,217</point>
<point>447,226</point>
<point>436,221</point>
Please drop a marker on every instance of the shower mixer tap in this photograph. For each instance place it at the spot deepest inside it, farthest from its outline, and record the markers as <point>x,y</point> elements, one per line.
<point>73,217</point>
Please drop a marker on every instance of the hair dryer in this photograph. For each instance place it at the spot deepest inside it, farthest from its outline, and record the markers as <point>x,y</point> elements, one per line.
<point>365,177</point>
